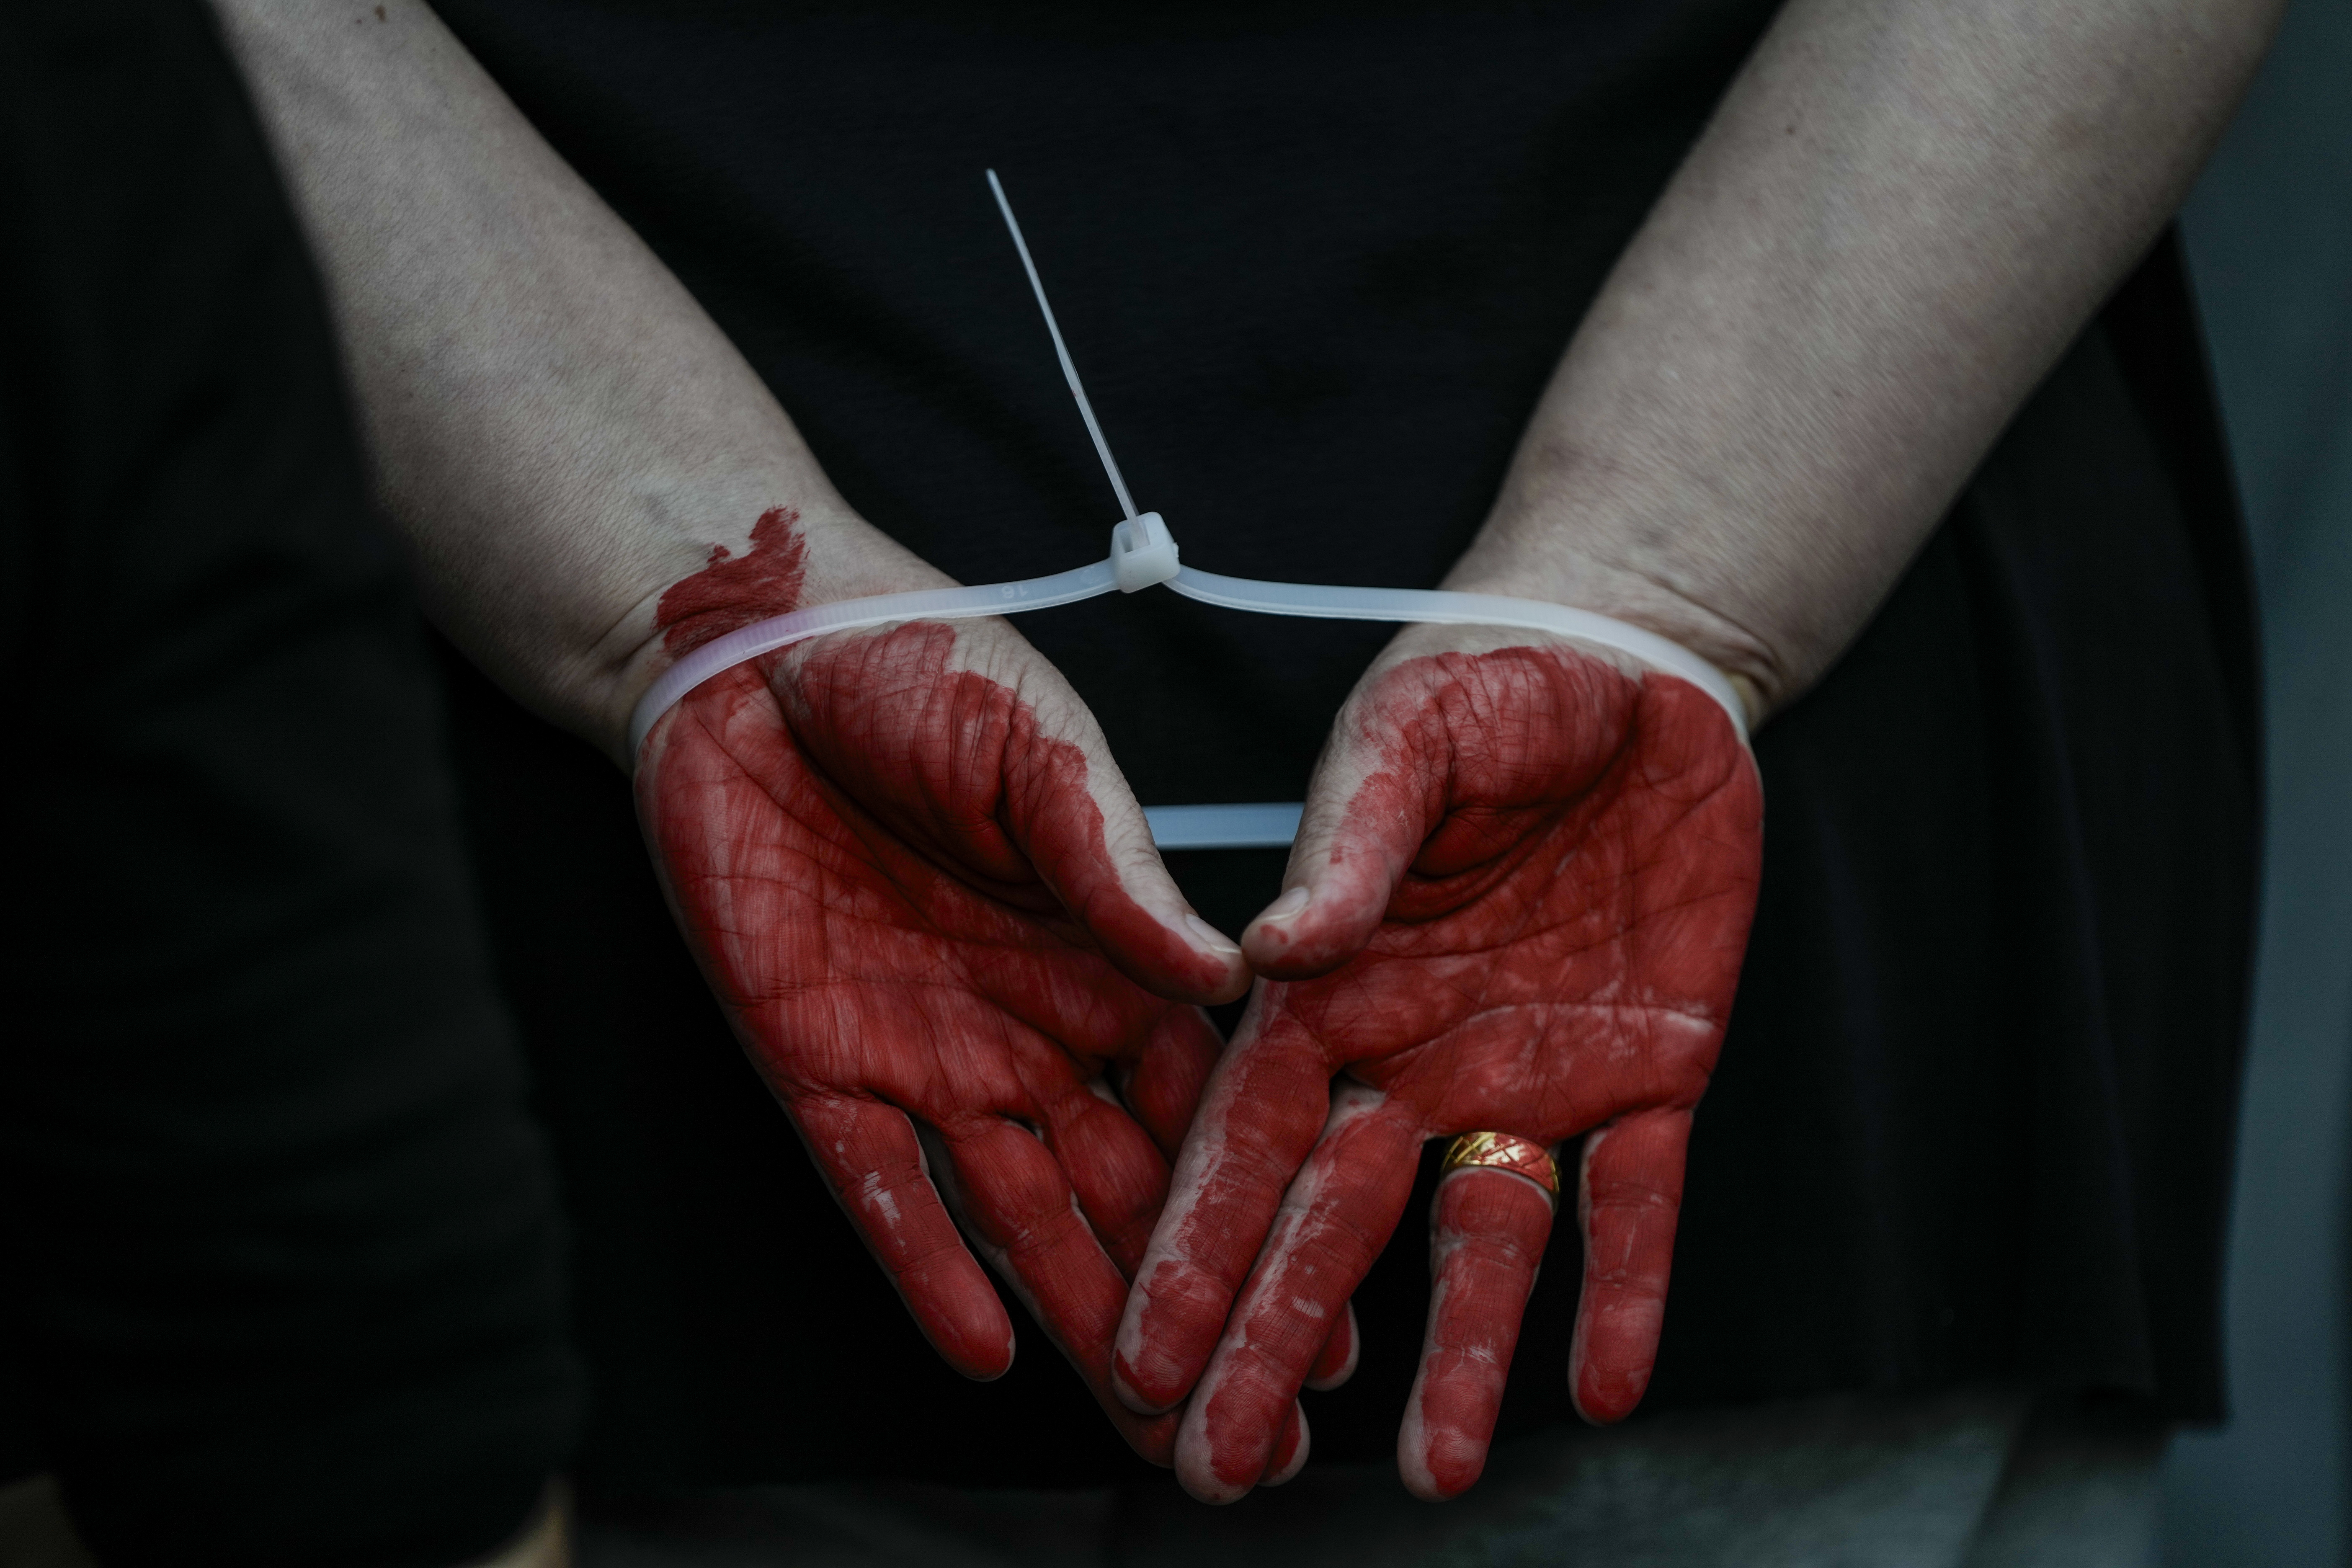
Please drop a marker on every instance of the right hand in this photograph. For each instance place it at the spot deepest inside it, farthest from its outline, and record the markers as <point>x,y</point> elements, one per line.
<point>931,907</point>
<point>1518,904</point>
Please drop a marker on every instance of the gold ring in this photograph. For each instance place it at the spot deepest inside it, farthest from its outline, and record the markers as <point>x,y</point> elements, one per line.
<point>1503,1152</point>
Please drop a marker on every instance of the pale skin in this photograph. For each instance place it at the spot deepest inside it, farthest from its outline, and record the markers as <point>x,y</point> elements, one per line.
<point>1899,218</point>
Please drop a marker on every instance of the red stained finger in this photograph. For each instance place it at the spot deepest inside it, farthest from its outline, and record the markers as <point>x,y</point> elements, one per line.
<point>1629,1194</point>
<point>1017,1202</point>
<point>1334,1220</point>
<point>1290,1451</point>
<point>1117,1172</point>
<point>1368,810</point>
<point>1265,1105</point>
<point>1023,1216</point>
<point>1162,1086</point>
<point>1336,1362</point>
<point>1083,831</point>
<point>869,1156</point>
<point>1486,1235</point>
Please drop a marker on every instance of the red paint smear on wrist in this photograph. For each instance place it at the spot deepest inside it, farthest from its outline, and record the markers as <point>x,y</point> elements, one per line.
<point>733,591</point>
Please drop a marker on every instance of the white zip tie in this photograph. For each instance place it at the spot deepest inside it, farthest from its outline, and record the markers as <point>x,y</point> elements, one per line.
<point>1143,554</point>
<point>1061,351</point>
<point>852,614</point>
<point>1261,825</point>
<point>1315,601</point>
<point>1443,607</point>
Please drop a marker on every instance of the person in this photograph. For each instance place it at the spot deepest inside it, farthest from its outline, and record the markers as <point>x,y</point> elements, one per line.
<point>283,1252</point>
<point>1839,410</point>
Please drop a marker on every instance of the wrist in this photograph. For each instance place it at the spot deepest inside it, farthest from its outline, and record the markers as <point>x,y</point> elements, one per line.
<point>788,559</point>
<point>1555,561</point>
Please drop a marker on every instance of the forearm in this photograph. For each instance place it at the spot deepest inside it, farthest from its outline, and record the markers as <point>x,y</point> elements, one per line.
<point>559,430</point>
<point>1899,218</point>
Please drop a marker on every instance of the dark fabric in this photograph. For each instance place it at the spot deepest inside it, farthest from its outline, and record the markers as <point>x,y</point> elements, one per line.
<point>1975,1109</point>
<point>281,1243</point>
<point>1316,263</point>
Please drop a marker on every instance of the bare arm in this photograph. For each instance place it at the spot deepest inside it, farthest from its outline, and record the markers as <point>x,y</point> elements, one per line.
<point>1899,218</point>
<point>558,428</point>
<point>1902,212</point>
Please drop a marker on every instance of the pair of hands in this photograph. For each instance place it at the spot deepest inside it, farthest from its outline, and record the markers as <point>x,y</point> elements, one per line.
<point>930,905</point>
<point>912,870</point>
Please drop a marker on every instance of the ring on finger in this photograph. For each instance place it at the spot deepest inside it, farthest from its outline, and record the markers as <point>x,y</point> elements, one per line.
<point>1504,1151</point>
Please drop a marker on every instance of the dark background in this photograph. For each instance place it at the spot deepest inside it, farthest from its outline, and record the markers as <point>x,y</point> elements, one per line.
<point>2270,244</point>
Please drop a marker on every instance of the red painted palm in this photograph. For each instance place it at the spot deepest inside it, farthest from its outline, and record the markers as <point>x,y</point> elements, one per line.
<point>1520,902</point>
<point>933,912</point>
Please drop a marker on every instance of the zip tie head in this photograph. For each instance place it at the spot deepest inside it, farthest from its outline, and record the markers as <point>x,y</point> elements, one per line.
<point>1142,552</point>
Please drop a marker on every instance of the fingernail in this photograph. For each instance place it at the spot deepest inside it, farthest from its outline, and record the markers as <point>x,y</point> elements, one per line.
<point>1213,938</point>
<point>1287,906</point>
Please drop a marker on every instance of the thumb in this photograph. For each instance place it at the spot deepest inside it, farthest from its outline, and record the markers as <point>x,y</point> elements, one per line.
<point>1069,810</point>
<point>1377,795</point>
<point>962,739</point>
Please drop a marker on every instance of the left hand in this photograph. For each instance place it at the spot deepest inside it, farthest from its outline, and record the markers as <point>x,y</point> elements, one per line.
<point>931,910</point>
<point>1518,903</point>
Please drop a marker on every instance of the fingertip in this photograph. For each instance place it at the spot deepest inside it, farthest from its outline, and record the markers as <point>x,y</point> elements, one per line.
<point>1188,959</point>
<point>1413,1457</point>
<point>1276,960</point>
<point>1604,1399</point>
<point>1602,1394</point>
<point>1290,1453</point>
<point>1221,973</point>
<point>1144,1379</point>
<point>873,1162</point>
<point>1134,910</point>
<point>1126,1393</point>
<point>1288,942</point>
<point>1166,1336</point>
<point>1439,1471</point>
<point>1196,1472</point>
<point>1153,1438</point>
<point>1336,1363</point>
<point>1630,1192</point>
<point>1315,928</point>
<point>1233,987</point>
<point>1284,912</point>
<point>1272,937</point>
<point>981,1348</point>
<point>1211,1466</point>
<point>1209,940</point>
<point>1150,1385</point>
<point>1437,1462</point>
